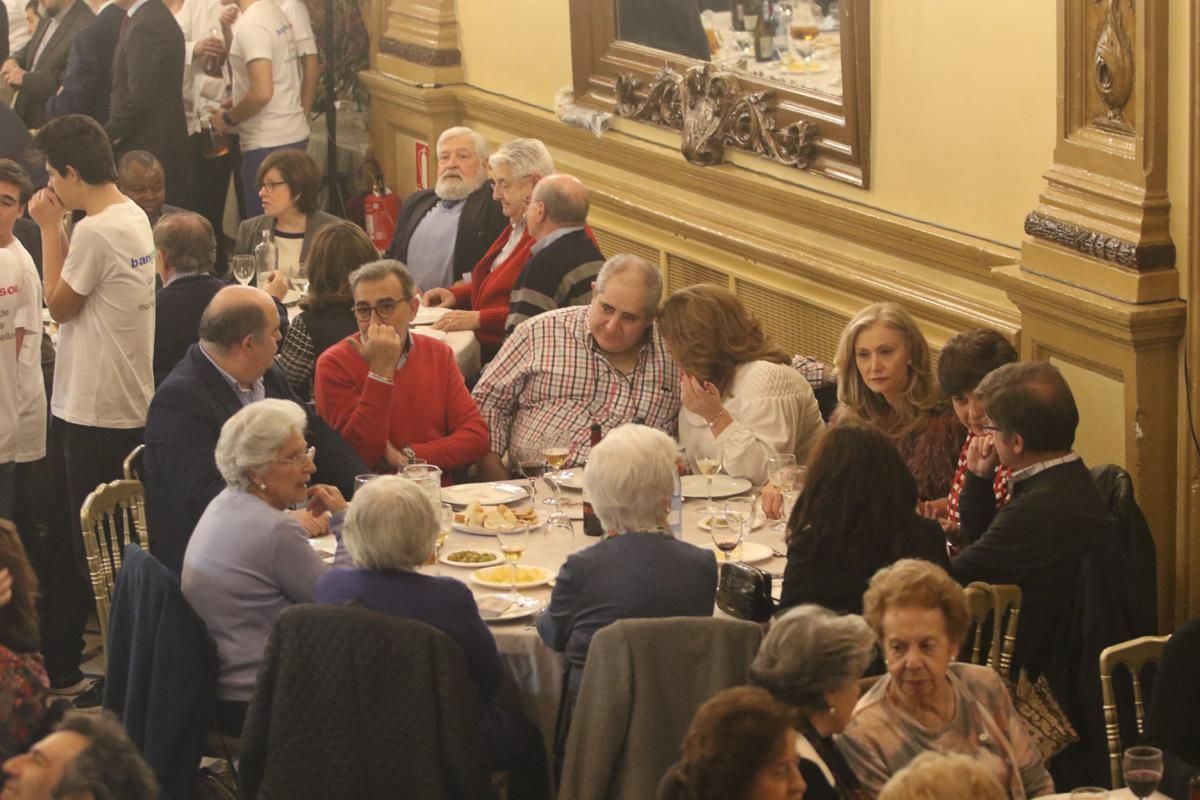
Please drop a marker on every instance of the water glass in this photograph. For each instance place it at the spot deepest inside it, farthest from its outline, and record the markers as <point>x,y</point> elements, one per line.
<point>243,269</point>
<point>362,480</point>
<point>746,507</point>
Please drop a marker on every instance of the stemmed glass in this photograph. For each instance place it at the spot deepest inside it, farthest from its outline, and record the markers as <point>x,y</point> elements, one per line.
<point>513,543</point>
<point>1143,769</point>
<point>300,278</point>
<point>727,529</point>
<point>803,28</point>
<point>445,522</point>
<point>532,466</point>
<point>555,457</point>
<point>243,269</point>
<point>781,472</point>
<point>707,452</point>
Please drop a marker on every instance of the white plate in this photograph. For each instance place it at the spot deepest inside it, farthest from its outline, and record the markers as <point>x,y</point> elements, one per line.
<point>694,486</point>
<point>431,333</point>
<point>500,577</point>
<point>488,494</point>
<point>704,526</point>
<point>427,315</point>
<point>509,613</point>
<point>477,531</point>
<point>752,553</point>
<point>570,479</point>
<point>497,558</point>
<point>291,298</point>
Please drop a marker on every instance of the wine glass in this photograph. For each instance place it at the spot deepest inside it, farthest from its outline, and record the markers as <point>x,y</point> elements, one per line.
<point>300,278</point>
<point>803,28</point>
<point>1143,769</point>
<point>707,452</point>
<point>560,534</point>
<point>532,466</point>
<point>781,472</point>
<point>445,523</point>
<point>243,269</point>
<point>513,543</point>
<point>727,529</point>
<point>555,457</point>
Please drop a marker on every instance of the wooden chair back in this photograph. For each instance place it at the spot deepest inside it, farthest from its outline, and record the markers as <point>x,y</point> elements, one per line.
<point>1134,654</point>
<point>979,605</point>
<point>132,466</point>
<point>111,516</point>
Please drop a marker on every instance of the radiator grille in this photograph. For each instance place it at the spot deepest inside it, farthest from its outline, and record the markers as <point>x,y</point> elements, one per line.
<point>797,326</point>
<point>683,272</point>
<point>612,244</point>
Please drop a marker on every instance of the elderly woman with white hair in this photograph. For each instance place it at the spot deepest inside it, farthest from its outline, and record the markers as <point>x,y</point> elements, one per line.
<point>638,569</point>
<point>484,299</point>
<point>247,560</point>
<point>389,532</point>
<point>811,660</point>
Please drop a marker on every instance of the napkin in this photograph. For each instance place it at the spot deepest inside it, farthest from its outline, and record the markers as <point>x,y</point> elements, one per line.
<point>493,606</point>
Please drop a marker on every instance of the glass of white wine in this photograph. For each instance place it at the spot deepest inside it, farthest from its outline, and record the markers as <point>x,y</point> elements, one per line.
<point>707,452</point>
<point>781,472</point>
<point>243,269</point>
<point>555,457</point>
<point>513,543</point>
<point>445,522</point>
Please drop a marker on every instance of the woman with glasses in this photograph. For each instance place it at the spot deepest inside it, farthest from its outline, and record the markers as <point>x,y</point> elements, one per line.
<point>288,182</point>
<point>326,317</point>
<point>248,560</point>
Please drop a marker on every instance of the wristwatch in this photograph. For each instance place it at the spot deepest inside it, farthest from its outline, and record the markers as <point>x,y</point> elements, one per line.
<point>409,454</point>
<point>228,120</point>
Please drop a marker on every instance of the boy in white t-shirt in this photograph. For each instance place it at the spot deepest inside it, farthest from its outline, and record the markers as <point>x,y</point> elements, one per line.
<point>306,49</point>
<point>22,389</point>
<point>267,110</point>
<point>99,287</point>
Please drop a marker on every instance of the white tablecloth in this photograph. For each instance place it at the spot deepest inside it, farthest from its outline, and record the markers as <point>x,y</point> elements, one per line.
<point>1115,794</point>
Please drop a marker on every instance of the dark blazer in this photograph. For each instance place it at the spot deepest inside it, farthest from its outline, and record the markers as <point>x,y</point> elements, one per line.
<point>624,577</point>
<point>44,81</point>
<point>250,231</point>
<point>29,234</point>
<point>1037,541</point>
<point>145,110</point>
<point>182,427</point>
<point>1174,708</point>
<point>819,580</point>
<point>17,143</point>
<point>177,319</point>
<point>4,37</point>
<point>87,81</point>
<point>481,222</point>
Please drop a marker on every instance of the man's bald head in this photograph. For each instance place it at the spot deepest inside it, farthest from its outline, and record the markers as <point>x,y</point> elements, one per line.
<point>565,197</point>
<point>236,312</point>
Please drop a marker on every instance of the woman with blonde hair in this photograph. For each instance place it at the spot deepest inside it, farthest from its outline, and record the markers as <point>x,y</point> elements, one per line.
<point>936,776</point>
<point>885,379</point>
<point>736,385</point>
<point>927,701</point>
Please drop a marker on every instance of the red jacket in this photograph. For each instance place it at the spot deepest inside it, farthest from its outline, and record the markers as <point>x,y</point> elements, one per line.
<point>427,408</point>
<point>490,289</point>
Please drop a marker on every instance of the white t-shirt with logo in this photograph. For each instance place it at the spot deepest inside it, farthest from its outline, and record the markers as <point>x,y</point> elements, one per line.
<point>302,29</point>
<point>104,375</point>
<point>30,441</point>
<point>262,31</point>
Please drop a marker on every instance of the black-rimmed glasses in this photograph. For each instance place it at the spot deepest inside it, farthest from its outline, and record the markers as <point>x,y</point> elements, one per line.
<point>383,309</point>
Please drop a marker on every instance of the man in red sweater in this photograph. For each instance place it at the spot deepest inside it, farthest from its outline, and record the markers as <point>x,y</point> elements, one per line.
<point>391,395</point>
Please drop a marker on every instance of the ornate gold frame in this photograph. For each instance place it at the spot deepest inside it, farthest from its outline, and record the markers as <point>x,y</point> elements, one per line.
<point>833,132</point>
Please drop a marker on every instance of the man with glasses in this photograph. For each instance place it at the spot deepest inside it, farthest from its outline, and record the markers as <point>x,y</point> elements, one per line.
<point>231,367</point>
<point>392,395</point>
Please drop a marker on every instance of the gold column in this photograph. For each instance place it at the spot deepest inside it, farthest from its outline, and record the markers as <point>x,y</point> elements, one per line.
<point>419,41</point>
<point>1097,285</point>
<point>1187,550</point>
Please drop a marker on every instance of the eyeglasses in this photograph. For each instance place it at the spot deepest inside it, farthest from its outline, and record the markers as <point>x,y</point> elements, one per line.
<point>991,429</point>
<point>300,459</point>
<point>384,309</point>
<point>271,186</point>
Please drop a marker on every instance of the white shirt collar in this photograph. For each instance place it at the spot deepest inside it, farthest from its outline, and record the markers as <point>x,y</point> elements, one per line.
<point>133,8</point>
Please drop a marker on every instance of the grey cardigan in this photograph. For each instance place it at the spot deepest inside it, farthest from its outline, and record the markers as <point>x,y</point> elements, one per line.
<point>250,231</point>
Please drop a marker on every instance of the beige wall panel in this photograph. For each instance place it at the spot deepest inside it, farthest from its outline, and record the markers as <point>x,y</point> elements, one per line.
<point>1101,401</point>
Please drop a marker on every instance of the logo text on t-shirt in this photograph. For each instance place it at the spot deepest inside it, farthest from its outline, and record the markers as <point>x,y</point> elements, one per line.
<point>141,261</point>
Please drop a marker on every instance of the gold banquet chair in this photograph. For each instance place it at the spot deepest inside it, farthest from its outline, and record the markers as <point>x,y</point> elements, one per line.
<point>1002,602</point>
<point>1134,655</point>
<point>979,605</point>
<point>132,465</point>
<point>107,518</point>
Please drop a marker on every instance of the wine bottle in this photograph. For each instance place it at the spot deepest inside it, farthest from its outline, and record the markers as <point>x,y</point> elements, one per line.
<point>764,34</point>
<point>591,523</point>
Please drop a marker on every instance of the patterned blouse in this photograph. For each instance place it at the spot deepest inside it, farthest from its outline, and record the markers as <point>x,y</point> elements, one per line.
<point>882,738</point>
<point>23,685</point>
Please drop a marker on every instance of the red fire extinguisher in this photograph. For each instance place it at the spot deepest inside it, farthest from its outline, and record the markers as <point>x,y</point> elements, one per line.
<point>380,208</point>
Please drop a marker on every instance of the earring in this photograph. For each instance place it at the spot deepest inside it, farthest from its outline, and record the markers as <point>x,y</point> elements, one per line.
<point>262,487</point>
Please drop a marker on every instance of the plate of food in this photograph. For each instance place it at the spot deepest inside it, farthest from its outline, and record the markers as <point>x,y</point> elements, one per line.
<point>501,577</point>
<point>752,553</point>
<point>696,486</point>
<point>486,494</point>
<point>487,520</point>
<point>473,558</point>
<point>501,608</point>
<point>568,479</point>
<point>705,525</point>
<point>431,333</point>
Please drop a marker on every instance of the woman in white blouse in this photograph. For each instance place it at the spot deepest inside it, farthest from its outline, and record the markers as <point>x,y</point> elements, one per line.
<point>736,385</point>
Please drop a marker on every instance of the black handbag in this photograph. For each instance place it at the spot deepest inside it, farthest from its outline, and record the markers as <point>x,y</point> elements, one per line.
<point>745,592</point>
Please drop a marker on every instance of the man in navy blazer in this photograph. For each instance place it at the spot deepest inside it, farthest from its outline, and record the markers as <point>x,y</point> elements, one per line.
<point>87,79</point>
<point>231,366</point>
<point>186,250</point>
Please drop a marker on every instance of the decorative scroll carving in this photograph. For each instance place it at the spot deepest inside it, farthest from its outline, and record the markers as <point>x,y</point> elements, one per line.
<point>419,54</point>
<point>1099,245</point>
<point>710,109</point>
<point>1113,68</point>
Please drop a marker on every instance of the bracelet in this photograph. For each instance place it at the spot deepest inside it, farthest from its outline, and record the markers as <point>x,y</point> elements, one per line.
<point>375,376</point>
<point>717,418</point>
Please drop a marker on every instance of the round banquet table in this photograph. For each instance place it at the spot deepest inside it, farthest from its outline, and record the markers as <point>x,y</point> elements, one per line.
<point>1114,794</point>
<point>534,670</point>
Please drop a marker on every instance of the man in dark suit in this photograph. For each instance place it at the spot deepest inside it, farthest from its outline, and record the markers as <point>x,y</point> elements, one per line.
<point>186,248</point>
<point>564,260</point>
<point>231,366</point>
<point>441,233</point>
<point>16,143</point>
<point>146,105</point>
<point>87,79</point>
<point>35,71</point>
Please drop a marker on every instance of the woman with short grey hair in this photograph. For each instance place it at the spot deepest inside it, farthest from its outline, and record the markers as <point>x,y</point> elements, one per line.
<point>812,659</point>
<point>249,558</point>
<point>389,533</point>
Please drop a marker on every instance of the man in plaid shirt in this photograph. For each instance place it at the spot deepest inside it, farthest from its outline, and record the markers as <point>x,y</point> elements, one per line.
<point>564,370</point>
